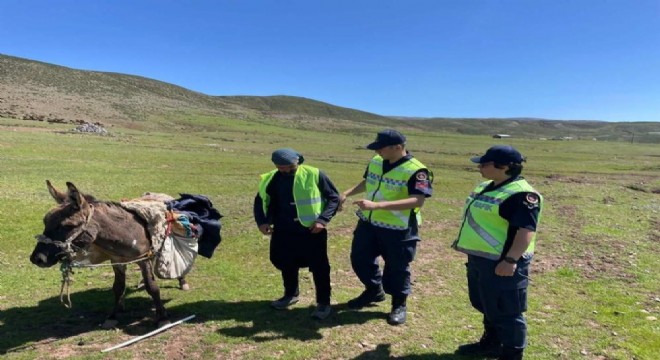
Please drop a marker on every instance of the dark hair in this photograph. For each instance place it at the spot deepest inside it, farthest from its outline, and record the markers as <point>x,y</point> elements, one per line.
<point>514,169</point>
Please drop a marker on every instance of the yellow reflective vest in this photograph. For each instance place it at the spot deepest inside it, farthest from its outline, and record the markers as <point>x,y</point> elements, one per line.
<point>483,231</point>
<point>306,193</point>
<point>388,187</point>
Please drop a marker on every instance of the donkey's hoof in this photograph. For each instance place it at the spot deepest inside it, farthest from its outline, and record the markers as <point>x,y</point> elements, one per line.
<point>109,324</point>
<point>163,323</point>
<point>183,284</point>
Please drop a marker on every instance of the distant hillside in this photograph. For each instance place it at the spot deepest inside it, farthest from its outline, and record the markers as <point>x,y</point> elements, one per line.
<point>647,132</point>
<point>40,91</point>
<point>297,107</point>
<point>34,90</point>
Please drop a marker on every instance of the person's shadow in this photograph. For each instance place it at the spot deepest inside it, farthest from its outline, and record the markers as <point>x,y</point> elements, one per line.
<point>259,322</point>
<point>383,351</point>
<point>25,327</point>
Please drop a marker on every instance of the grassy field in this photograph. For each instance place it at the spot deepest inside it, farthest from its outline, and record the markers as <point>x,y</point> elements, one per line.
<point>595,290</point>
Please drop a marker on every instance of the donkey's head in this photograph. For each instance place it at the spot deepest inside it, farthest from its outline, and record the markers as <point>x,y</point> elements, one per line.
<point>66,227</point>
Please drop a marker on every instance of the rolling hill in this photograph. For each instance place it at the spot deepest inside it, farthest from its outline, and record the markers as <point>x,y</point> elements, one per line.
<point>646,132</point>
<point>34,90</point>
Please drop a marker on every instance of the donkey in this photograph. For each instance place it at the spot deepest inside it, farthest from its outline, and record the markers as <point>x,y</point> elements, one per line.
<point>83,228</point>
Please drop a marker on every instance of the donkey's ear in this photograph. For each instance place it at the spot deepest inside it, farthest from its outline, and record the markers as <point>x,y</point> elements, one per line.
<point>56,194</point>
<point>75,196</point>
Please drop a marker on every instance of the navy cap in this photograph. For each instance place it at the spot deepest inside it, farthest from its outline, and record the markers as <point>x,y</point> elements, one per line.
<point>386,138</point>
<point>500,154</point>
<point>286,156</point>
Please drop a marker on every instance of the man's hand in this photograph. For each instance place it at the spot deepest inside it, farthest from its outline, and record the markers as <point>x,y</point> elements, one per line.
<point>265,229</point>
<point>365,204</point>
<point>505,269</point>
<point>316,228</point>
<point>359,188</point>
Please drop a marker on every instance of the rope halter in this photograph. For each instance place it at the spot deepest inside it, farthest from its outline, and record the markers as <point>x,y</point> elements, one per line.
<point>67,247</point>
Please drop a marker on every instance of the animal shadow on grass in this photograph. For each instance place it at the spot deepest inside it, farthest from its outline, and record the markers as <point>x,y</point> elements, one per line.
<point>259,322</point>
<point>26,327</point>
<point>383,351</point>
<point>23,328</point>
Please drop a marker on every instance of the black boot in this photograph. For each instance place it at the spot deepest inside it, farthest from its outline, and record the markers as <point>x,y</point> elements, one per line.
<point>397,316</point>
<point>489,345</point>
<point>511,354</point>
<point>399,311</point>
<point>367,297</point>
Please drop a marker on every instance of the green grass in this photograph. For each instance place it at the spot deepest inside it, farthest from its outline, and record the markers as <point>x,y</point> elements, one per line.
<point>594,280</point>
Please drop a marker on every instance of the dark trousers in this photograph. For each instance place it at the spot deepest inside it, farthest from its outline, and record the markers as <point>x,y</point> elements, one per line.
<point>397,251</point>
<point>291,251</point>
<point>501,299</point>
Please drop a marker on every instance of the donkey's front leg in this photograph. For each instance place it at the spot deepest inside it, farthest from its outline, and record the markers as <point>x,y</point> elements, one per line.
<point>118,288</point>
<point>153,290</point>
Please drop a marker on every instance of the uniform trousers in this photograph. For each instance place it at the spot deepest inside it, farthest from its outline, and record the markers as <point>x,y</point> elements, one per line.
<point>501,299</point>
<point>397,251</point>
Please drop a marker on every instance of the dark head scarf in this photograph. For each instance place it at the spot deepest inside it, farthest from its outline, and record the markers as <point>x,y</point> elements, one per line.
<point>286,156</point>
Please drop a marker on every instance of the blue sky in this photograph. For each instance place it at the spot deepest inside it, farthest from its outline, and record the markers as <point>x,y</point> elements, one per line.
<point>556,59</point>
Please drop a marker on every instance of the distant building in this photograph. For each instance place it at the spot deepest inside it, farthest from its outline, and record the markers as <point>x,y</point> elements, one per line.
<point>501,136</point>
<point>562,138</point>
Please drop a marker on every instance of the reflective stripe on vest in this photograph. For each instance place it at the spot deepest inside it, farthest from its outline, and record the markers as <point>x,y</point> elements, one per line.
<point>389,187</point>
<point>306,193</point>
<point>484,232</point>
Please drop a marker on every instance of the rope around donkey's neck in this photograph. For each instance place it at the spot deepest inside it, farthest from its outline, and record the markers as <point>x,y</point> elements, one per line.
<point>81,265</point>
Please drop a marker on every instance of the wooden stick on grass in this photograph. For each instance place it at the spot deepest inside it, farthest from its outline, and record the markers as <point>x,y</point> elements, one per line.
<point>160,329</point>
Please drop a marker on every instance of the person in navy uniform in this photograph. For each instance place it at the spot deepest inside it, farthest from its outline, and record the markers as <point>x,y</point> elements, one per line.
<point>498,234</point>
<point>396,186</point>
<point>294,205</point>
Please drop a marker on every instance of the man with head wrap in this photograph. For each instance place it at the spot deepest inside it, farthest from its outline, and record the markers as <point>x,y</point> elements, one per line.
<point>294,204</point>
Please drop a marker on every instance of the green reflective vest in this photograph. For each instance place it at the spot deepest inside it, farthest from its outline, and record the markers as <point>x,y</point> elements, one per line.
<point>306,193</point>
<point>483,232</point>
<point>388,187</point>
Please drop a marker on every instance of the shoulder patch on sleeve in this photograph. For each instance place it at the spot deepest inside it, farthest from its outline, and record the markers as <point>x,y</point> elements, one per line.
<point>532,198</point>
<point>422,185</point>
<point>421,176</point>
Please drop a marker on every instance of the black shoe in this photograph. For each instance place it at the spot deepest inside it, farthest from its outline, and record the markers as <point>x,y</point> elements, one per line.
<point>488,346</point>
<point>284,302</point>
<point>511,354</point>
<point>367,297</point>
<point>397,316</point>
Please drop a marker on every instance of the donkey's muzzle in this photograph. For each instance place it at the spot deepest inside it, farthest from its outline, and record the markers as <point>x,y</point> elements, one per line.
<point>41,260</point>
